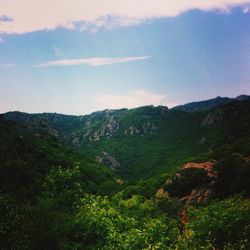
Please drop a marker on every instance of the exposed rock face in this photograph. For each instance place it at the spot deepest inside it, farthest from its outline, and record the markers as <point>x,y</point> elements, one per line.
<point>108,161</point>
<point>132,131</point>
<point>53,132</point>
<point>213,118</point>
<point>203,193</point>
<point>146,128</point>
<point>149,127</point>
<point>202,174</point>
<point>207,166</point>
<point>197,196</point>
<point>119,181</point>
<point>109,128</point>
<point>106,126</point>
<point>89,129</point>
<point>194,194</point>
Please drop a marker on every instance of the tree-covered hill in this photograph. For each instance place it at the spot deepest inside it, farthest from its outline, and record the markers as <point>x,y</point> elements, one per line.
<point>55,195</point>
<point>141,142</point>
<point>27,156</point>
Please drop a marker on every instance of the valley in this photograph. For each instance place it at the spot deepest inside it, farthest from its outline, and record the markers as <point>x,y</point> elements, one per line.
<point>143,178</point>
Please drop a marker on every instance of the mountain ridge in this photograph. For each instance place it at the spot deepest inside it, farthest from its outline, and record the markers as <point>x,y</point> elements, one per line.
<point>210,103</point>
<point>142,141</point>
<point>55,195</point>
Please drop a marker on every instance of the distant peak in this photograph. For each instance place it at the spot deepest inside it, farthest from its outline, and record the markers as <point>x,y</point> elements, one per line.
<point>242,97</point>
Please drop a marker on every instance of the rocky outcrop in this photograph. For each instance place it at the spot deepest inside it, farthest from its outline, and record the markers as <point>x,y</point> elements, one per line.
<point>119,181</point>
<point>197,181</point>
<point>207,166</point>
<point>145,128</point>
<point>197,196</point>
<point>131,131</point>
<point>108,160</point>
<point>149,127</point>
<point>109,128</point>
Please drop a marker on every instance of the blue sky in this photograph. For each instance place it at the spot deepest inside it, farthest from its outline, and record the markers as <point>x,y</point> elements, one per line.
<point>196,54</point>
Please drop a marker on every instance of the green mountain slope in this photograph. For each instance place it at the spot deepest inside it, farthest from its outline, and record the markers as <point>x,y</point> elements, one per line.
<point>139,143</point>
<point>28,156</point>
<point>55,196</point>
<point>41,179</point>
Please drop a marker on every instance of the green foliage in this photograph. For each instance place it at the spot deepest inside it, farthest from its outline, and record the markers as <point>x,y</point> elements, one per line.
<point>170,206</point>
<point>223,224</point>
<point>146,188</point>
<point>41,180</point>
<point>233,176</point>
<point>177,135</point>
<point>121,224</point>
<point>54,197</point>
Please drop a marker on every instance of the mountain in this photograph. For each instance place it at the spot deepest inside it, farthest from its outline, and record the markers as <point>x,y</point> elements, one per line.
<point>175,179</point>
<point>141,142</point>
<point>242,97</point>
<point>211,103</point>
<point>41,178</point>
<point>27,156</point>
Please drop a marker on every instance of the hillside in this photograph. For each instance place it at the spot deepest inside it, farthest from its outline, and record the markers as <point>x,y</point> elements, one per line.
<point>40,179</point>
<point>185,179</point>
<point>139,143</point>
<point>27,156</point>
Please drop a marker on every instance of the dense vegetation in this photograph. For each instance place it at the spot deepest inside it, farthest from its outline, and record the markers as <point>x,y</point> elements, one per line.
<point>35,164</point>
<point>149,140</point>
<point>53,196</point>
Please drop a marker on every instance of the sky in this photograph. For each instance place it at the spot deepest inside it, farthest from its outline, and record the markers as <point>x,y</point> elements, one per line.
<point>78,56</point>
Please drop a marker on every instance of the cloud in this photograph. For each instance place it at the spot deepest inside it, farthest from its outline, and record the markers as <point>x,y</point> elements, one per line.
<point>33,15</point>
<point>246,9</point>
<point>1,40</point>
<point>107,22</point>
<point>7,65</point>
<point>133,99</point>
<point>94,61</point>
<point>4,18</point>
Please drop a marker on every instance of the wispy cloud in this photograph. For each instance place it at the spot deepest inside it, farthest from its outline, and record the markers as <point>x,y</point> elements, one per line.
<point>32,15</point>
<point>94,61</point>
<point>7,65</point>
<point>133,99</point>
<point>106,22</point>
